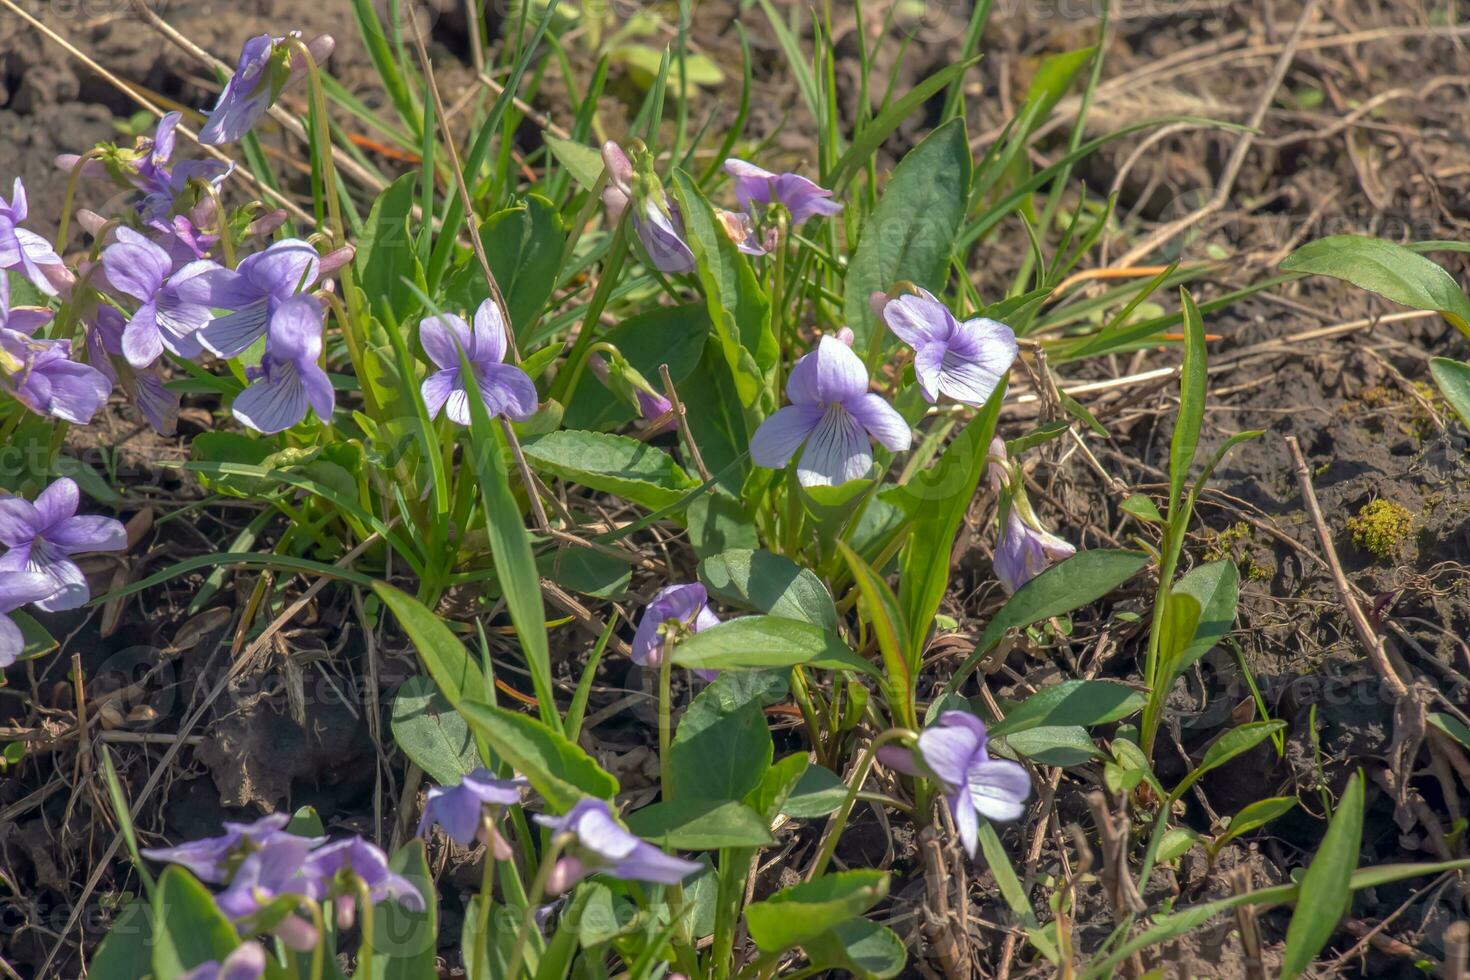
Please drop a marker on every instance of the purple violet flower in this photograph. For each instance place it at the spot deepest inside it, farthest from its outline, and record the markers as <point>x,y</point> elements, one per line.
<point>266,67</point>
<point>657,222</point>
<point>213,859</point>
<point>20,319</point>
<point>18,589</point>
<point>740,229</point>
<point>832,413</point>
<point>674,612</point>
<point>254,290</point>
<point>279,866</point>
<point>604,846</point>
<point>803,198</point>
<point>337,864</point>
<point>175,305</point>
<point>964,361</point>
<point>41,375</point>
<point>460,809</point>
<point>159,179</point>
<point>22,250</point>
<point>504,388</point>
<point>245,962</point>
<point>975,785</point>
<point>1024,548</point>
<point>42,537</point>
<point>289,380</point>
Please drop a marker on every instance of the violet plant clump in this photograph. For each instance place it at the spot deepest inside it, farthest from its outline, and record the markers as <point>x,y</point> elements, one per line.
<point>306,343</point>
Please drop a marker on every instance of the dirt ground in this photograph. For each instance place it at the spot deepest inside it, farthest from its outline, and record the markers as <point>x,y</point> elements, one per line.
<point>1365,134</point>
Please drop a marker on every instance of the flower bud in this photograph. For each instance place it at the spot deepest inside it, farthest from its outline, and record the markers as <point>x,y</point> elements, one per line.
<point>567,872</point>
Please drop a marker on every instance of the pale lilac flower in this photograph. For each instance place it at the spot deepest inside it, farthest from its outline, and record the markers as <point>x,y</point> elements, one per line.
<point>604,846</point>
<point>656,220</point>
<point>460,809</point>
<point>41,375</point>
<point>504,388</point>
<point>802,197</point>
<point>175,305</point>
<point>23,250</point>
<point>289,381</point>
<point>145,387</point>
<point>964,361</point>
<point>661,229</point>
<point>674,612</point>
<point>975,785</point>
<point>279,866</point>
<point>42,537</point>
<point>1022,552</point>
<point>1024,548</point>
<point>182,239</point>
<point>213,859</point>
<point>832,413</point>
<point>339,865</point>
<point>18,589</point>
<point>266,67</point>
<point>245,962</point>
<point>254,291</point>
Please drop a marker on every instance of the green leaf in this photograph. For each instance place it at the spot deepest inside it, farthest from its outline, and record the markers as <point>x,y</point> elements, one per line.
<point>584,163</point>
<point>1254,816</point>
<point>187,928</point>
<point>936,501</point>
<point>820,791</point>
<point>700,825</point>
<point>1070,584</point>
<point>445,658</point>
<point>431,733</point>
<point>751,642</point>
<point>633,470</point>
<point>1176,631</point>
<point>767,583</point>
<point>600,915</point>
<point>911,232</point>
<point>557,768</point>
<point>1073,702</point>
<point>881,610</point>
<point>861,947</point>
<point>1216,587</point>
<point>1390,270</point>
<point>1192,381</point>
<point>718,522</point>
<point>510,546</point>
<point>1453,378</point>
<point>1142,508</point>
<point>722,746</point>
<point>1175,843</point>
<point>1051,745</point>
<point>805,911</point>
<point>404,942</point>
<point>126,952</point>
<point>523,245</point>
<point>1326,887</point>
<point>1236,741</point>
<point>1451,726</point>
<point>769,799</point>
<point>385,255</point>
<point>738,307</point>
<point>583,570</point>
<point>92,483</point>
<point>37,640</point>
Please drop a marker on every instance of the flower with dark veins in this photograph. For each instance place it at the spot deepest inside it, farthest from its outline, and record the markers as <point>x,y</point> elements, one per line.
<point>43,536</point>
<point>832,415</point>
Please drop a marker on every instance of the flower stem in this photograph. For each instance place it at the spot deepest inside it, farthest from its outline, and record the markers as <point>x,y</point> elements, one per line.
<point>63,231</point>
<point>665,726</point>
<point>365,900</point>
<point>487,887</point>
<point>839,820</point>
<point>538,891</point>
